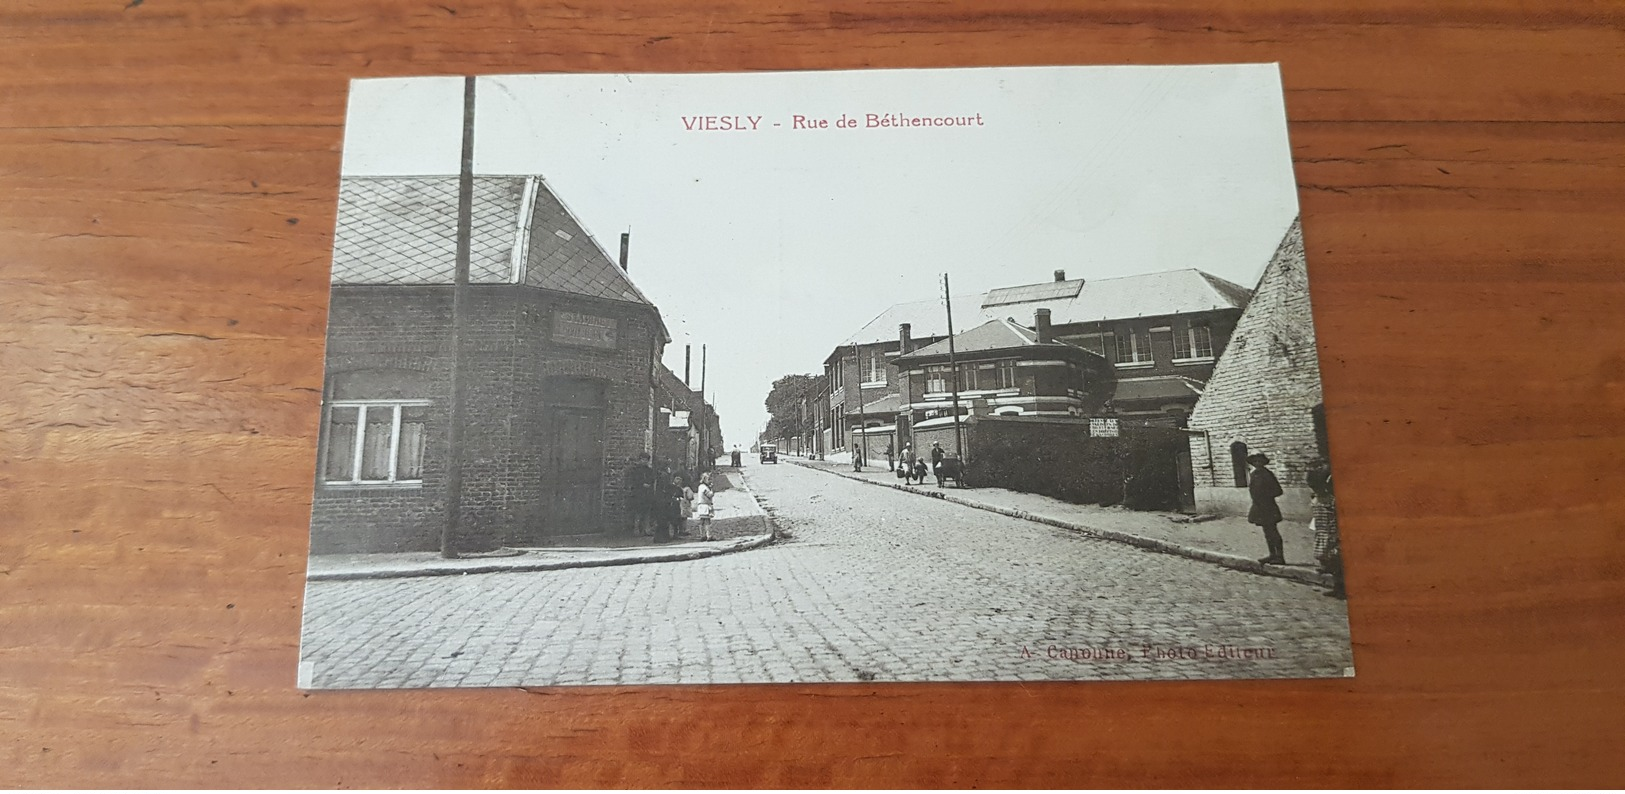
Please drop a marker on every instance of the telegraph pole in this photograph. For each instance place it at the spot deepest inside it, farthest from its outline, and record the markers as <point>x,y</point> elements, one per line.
<point>705,409</point>
<point>953,367</point>
<point>459,318</point>
<point>863,419</point>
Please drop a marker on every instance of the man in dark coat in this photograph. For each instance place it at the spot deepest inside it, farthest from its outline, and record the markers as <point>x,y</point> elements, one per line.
<point>1264,488</point>
<point>936,455</point>
<point>640,497</point>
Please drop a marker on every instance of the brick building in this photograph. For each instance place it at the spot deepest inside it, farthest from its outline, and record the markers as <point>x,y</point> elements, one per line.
<point>1162,333</point>
<point>1004,369</point>
<point>558,357</point>
<point>1264,395</point>
<point>687,429</point>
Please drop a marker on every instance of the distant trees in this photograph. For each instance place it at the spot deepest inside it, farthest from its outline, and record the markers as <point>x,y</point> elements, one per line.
<point>784,405</point>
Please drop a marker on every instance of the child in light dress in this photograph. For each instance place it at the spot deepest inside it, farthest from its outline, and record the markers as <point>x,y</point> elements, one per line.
<point>703,507</point>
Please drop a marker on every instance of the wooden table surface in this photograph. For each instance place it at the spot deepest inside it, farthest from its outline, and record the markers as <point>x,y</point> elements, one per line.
<point>168,173</point>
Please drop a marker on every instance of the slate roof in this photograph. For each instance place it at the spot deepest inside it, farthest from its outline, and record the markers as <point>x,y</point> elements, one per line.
<point>1120,298</point>
<point>926,318</point>
<point>403,230</point>
<point>991,335</point>
<point>890,404</point>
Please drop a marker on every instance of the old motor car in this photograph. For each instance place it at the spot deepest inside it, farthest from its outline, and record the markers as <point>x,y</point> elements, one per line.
<point>769,453</point>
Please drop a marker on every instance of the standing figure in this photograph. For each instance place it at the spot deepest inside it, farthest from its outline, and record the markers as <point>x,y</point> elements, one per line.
<point>1328,549</point>
<point>1264,488</point>
<point>905,462</point>
<point>703,506</point>
<point>665,505</point>
<point>891,457</point>
<point>685,504</point>
<point>640,497</point>
<point>936,456</point>
<point>857,458</point>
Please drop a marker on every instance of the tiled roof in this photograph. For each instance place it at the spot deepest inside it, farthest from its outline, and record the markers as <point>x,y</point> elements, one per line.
<point>403,230</point>
<point>1120,298</point>
<point>991,335</point>
<point>565,258</point>
<point>926,318</point>
<point>1147,295</point>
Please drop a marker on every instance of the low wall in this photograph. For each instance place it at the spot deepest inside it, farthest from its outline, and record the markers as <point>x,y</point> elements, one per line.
<point>1294,503</point>
<point>1058,457</point>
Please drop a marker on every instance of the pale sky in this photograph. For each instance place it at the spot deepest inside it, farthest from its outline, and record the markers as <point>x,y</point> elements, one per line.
<point>772,245</point>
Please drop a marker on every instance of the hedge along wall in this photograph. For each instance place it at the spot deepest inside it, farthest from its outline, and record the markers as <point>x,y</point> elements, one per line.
<point>1057,457</point>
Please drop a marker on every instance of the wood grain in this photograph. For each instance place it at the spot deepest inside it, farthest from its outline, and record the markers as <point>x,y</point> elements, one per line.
<point>168,174</point>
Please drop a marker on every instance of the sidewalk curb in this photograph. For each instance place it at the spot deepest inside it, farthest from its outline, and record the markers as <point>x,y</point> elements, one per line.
<point>742,544</point>
<point>1150,544</point>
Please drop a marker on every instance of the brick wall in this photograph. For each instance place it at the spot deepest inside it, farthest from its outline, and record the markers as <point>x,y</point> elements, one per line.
<point>1262,390</point>
<point>1058,457</point>
<point>507,360</point>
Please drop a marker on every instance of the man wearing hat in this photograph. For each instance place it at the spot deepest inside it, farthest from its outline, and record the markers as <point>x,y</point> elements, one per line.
<point>1264,488</point>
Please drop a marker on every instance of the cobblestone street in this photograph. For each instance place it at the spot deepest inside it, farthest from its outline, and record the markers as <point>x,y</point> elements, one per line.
<point>873,584</point>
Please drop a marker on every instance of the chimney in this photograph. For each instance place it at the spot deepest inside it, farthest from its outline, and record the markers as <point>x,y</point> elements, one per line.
<point>1060,275</point>
<point>688,354</point>
<point>626,245</point>
<point>903,340</point>
<point>1041,322</point>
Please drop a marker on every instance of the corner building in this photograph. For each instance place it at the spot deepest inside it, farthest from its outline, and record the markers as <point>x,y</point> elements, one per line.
<point>557,356</point>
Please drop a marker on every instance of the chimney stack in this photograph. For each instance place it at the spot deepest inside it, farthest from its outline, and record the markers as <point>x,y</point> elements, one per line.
<point>1041,321</point>
<point>1060,275</point>
<point>903,339</point>
<point>626,245</point>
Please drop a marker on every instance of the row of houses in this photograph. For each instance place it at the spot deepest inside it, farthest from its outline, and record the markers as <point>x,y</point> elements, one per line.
<point>557,360</point>
<point>1233,369</point>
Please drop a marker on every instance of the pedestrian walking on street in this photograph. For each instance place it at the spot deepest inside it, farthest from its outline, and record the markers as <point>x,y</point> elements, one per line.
<point>891,457</point>
<point>936,456</point>
<point>1328,549</point>
<point>703,506</point>
<point>640,498</point>
<point>1264,488</point>
<point>857,458</point>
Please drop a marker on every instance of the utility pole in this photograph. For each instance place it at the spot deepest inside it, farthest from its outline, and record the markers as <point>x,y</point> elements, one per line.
<point>863,419</point>
<point>953,368</point>
<point>705,408</point>
<point>459,318</point>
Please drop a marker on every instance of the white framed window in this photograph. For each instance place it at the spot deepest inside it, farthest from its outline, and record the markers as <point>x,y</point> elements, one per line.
<point>1133,348</point>
<point>1005,375</point>
<point>874,367</point>
<point>968,378</point>
<point>1202,341</point>
<point>375,442</point>
<point>936,378</point>
<point>1196,344</point>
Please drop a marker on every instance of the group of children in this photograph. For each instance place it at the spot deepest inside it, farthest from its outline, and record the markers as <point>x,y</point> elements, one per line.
<point>676,502</point>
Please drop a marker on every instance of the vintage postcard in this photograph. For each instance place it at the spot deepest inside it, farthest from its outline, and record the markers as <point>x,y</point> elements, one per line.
<point>918,375</point>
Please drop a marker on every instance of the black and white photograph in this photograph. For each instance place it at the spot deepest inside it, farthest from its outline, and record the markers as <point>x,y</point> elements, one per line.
<point>951,375</point>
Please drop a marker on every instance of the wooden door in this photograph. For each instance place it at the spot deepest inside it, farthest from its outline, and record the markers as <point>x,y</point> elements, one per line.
<point>573,498</point>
